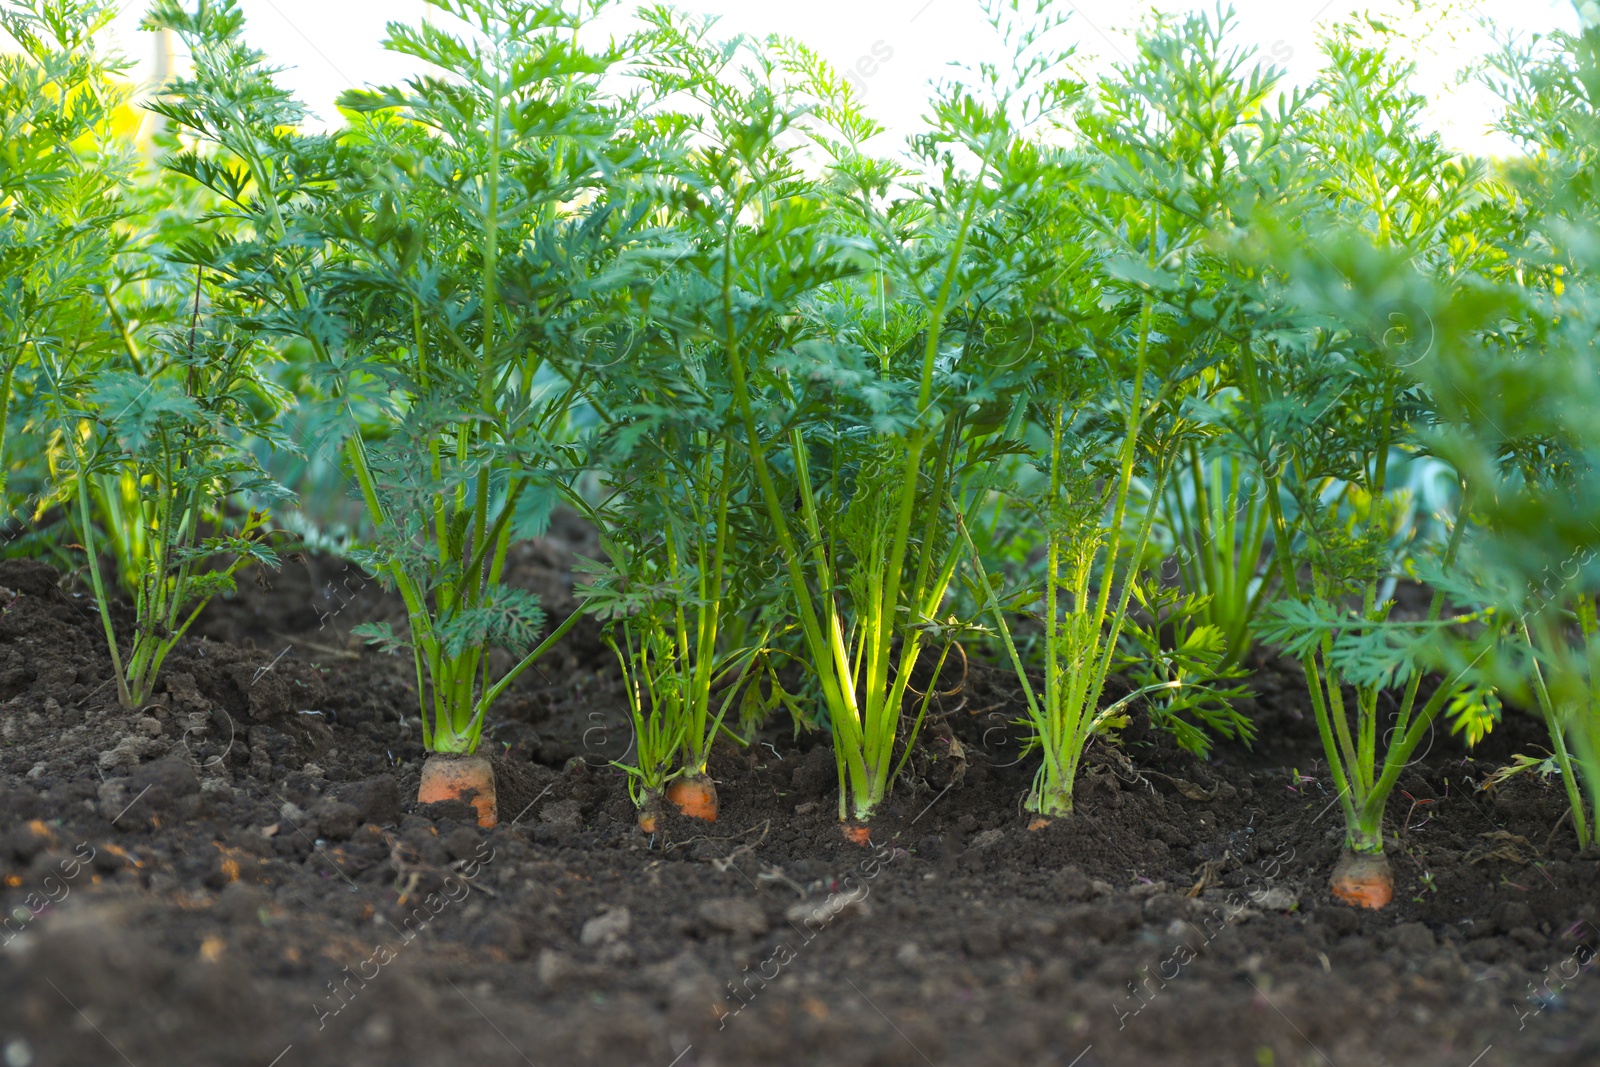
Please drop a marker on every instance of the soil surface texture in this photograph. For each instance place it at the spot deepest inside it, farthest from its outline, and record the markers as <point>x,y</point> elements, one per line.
<point>238,874</point>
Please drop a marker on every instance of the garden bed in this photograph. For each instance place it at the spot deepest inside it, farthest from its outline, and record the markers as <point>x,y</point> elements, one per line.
<point>237,875</point>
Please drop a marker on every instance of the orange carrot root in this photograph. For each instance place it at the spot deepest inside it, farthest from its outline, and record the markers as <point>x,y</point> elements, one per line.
<point>650,813</point>
<point>695,796</point>
<point>857,834</point>
<point>470,778</point>
<point>1039,822</point>
<point>1362,880</point>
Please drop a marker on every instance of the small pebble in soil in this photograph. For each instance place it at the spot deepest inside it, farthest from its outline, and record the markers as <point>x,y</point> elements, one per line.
<point>617,953</point>
<point>562,813</point>
<point>987,839</point>
<point>1279,899</point>
<point>608,926</point>
<point>336,820</point>
<point>818,913</point>
<point>734,915</point>
<point>162,784</point>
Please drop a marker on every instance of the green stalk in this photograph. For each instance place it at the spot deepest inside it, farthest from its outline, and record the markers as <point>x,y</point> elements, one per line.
<point>1368,825</point>
<point>886,608</point>
<point>924,599</point>
<point>1083,657</point>
<point>708,615</point>
<point>527,661</point>
<point>1203,532</point>
<point>1557,729</point>
<point>5,410</point>
<point>1587,720</point>
<point>841,709</point>
<point>1334,694</point>
<point>1054,794</point>
<point>1079,648</point>
<point>1588,724</point>
<point>879,714</point>
<point>124,697</point>
<point>1255,540</point>
<point>464,714</point>
<point>491,251</point>
<point>1436,602</point>
<point>922,711</point>
<point>1035,710</point>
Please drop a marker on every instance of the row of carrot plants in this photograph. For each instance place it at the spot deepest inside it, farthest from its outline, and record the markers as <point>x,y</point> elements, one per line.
<point>1115,375</point>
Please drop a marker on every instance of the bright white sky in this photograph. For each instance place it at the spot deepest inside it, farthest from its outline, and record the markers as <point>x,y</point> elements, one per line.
<point>328,45</point>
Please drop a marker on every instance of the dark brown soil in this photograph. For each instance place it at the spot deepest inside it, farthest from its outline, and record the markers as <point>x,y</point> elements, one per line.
<point>237,875</point>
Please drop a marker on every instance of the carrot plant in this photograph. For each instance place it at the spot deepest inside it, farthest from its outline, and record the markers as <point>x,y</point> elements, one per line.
<point>1173,143</point>
<point>850,317</point>
<point>164,433</point>
<point>1341,338</point>
<point>681,538</point>
<point>1516,380</point>
<point>63,162</point>
<point>160,426</point>
<point>457,257</point>
<point>764,247</point>
<point>689,581</point>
